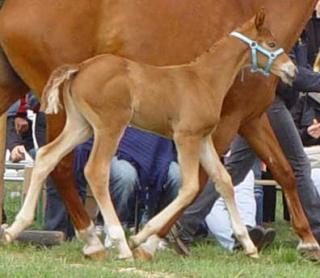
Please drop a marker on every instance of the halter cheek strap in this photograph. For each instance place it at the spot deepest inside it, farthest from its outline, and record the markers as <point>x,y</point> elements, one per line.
<point>255,48</point>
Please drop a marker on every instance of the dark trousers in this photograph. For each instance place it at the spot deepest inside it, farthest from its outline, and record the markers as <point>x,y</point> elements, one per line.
<point>56,216</point>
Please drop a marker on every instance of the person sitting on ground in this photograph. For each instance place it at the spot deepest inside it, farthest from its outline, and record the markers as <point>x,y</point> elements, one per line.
<point>219,224</point>
<point>144,164</point>
<point>217,219</point>
<point>19,136</point>
<point>20,139</point>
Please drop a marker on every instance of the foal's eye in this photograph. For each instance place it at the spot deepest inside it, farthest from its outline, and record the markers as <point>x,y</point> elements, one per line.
<point>271,44</point>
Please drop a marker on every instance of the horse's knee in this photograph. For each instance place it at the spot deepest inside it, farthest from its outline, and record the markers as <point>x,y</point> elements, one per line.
<point>97,179</point>
<point>188,194</point>
<point>224,185</point>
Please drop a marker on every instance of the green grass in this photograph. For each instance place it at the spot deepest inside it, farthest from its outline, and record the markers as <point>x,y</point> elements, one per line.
<point>208,260</point>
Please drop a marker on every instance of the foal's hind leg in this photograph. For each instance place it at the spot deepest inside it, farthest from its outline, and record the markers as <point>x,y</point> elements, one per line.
<point>97,172</point>
<point>210,161</point>
<point>47,158</point>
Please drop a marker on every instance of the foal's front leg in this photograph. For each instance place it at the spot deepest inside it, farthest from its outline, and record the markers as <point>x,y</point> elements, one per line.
<point>188,158</point>
<point>210,161</point>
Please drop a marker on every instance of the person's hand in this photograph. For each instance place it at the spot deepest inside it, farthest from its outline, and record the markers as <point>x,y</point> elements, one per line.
<point>18,153</point>
<point>21,125</point>
<point>314,129</point>
<point>263,166</point>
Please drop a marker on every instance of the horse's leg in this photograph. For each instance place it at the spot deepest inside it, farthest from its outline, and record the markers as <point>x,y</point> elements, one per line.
<point>97,172</point>
<point>76,131</point>
<point>11,88</point>
<point>188,156</point>
<point>63,177</point>
<point>260,137</point>
<point>65,183</point>
<point>210,161</point>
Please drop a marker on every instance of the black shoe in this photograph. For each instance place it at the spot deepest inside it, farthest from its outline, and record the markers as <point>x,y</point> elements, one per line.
<point>261,237</point>
<point>177,243</point>
<point>269,236</point>
<point>256,234</point>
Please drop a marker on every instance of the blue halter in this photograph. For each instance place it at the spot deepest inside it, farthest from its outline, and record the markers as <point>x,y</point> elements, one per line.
<point>255,47</point>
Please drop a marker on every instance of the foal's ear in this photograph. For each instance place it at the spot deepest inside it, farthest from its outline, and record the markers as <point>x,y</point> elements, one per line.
<point>260,17</point>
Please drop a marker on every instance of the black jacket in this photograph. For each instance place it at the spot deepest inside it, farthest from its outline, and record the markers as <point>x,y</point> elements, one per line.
<point>303,53</point>
<point>303,113</point>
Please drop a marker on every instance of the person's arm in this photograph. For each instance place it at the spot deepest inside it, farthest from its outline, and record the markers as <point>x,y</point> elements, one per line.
<point>305,119</point>
<point>13,138</point>
<point>14,142</point>
<point>306,80</point>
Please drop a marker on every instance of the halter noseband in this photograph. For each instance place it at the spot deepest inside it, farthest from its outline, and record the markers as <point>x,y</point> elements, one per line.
<point>255,47</point>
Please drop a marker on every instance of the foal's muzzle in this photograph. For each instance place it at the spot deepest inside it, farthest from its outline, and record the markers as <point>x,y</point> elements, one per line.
<point>288,72</point>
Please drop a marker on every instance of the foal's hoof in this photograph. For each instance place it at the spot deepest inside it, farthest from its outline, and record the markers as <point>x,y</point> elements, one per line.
<point>128,258</point>
<point>140,254</point>
<point>5,237</point>
<point>254,255</point>
<point>97,256</point>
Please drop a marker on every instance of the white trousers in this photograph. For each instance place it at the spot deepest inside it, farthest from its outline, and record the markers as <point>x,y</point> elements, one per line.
<point>218,219</point>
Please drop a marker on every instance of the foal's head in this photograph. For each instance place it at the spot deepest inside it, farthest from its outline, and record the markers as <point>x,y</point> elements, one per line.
<point>269,57</point>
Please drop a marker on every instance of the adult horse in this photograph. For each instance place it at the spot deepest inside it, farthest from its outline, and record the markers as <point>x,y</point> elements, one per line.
<point>37,36</point>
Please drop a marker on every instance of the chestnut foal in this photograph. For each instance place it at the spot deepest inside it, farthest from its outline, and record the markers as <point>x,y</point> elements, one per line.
<point>104,94</point>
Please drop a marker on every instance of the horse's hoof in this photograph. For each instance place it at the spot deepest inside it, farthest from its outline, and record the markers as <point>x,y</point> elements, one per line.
<point>97,256</point>
<point>140,254</point>
<point>310,251</point>
<point>312,255</point>
<point>306,247</point>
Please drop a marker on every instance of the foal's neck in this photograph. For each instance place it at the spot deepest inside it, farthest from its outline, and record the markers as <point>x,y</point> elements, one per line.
<point>220,65</point>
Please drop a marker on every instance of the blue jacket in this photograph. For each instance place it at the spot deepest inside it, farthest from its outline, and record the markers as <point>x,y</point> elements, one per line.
<point>150,154</point>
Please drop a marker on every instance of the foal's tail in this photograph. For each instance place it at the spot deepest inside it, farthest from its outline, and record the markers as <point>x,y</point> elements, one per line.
<point>50,101</point>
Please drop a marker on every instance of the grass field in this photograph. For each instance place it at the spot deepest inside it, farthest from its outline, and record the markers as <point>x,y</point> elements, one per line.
<point>208,260</point>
